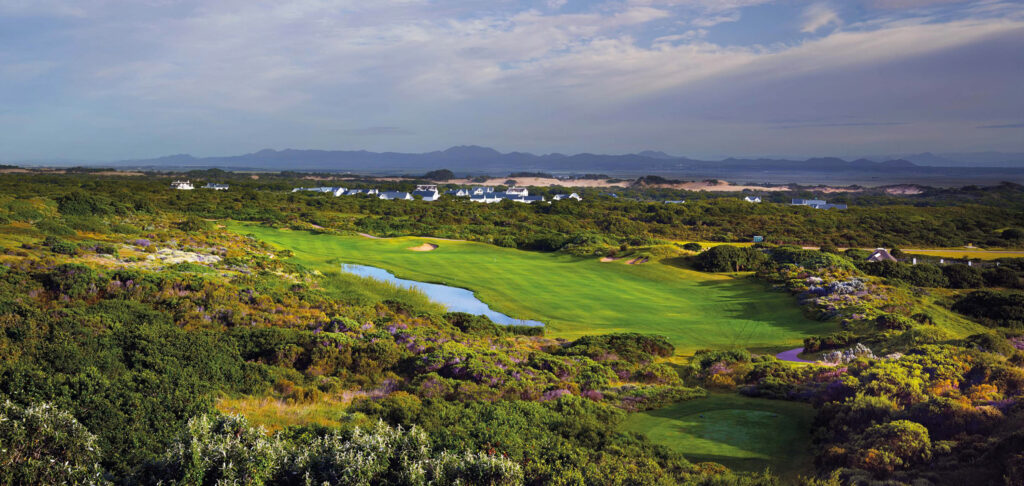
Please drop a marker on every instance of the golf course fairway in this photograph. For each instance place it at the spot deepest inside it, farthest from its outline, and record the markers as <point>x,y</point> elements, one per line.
<point>574,296</point>
<point>746,434</point>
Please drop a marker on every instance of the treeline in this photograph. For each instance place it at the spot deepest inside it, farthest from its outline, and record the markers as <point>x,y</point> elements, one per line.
<point>596,224</point>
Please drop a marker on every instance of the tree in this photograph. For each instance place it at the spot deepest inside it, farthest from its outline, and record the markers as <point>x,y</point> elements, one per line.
<point>727,258</point>
<point>439,175</point>
<point>692,247</point>
<point>40,444</point>
<point>1013,234</point>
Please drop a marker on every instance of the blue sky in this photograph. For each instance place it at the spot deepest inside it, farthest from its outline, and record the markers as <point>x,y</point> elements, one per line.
<point>112,79</point>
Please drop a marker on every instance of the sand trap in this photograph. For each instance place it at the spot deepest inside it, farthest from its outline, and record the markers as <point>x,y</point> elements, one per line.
<point>608,259</point>
<point>637,261</point>
<point>424,247</point>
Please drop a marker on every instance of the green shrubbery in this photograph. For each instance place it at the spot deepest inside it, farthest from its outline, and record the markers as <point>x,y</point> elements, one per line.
<point>40,444</point>
<point>994,309</point>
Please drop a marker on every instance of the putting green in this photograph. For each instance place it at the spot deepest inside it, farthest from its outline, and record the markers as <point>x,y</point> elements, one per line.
<point>742,433</point>
<point>572,295</point>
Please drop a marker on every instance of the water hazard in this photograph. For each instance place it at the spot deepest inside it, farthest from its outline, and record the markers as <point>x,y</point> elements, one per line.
<point>453,298</point>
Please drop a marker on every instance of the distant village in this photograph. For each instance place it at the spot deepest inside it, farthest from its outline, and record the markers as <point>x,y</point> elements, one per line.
<point>480,194</point>
<point>423,192</point>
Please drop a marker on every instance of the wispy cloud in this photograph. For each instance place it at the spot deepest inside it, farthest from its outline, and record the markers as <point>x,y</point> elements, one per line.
<point>819,16</point>
<point>1008,125</point>
<point>840,125</point>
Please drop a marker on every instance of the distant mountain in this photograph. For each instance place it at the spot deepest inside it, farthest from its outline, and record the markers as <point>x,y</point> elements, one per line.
<point>655,154</point>
<point>961,159</point>
<point>476,160</point>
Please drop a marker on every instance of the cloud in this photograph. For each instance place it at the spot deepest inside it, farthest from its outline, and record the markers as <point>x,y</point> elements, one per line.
<point>1008,125</point>
<point>712,20</point>
<point>901,4</point>
<point>299,73</point>
<point>818,16</point>
<point>840,125</point>
<point>556,4</point>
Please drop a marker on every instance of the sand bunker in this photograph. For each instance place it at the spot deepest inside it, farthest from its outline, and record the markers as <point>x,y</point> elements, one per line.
<point>424,247</point>
<point>608,259</point>
<point>637,261</point>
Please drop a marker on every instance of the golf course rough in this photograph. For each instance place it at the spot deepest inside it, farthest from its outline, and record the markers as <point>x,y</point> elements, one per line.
<point>574,296</point>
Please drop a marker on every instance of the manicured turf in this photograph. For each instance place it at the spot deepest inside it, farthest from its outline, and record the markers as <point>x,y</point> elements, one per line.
<point>747,434</point>
<point>573,295</point>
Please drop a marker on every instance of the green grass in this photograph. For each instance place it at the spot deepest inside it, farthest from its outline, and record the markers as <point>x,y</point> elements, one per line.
<point>747,434</point>
<point>573,295</point>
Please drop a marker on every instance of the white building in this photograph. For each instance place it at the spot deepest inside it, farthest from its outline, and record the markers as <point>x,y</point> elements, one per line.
<point>752,199</point>
<point>216,187</point>
<point>559,197</point>
<point>389,195</point>
<point>182,185</point>
<point>427,195</point>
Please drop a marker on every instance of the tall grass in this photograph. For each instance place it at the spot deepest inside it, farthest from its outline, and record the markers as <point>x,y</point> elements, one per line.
<point>368,291</point>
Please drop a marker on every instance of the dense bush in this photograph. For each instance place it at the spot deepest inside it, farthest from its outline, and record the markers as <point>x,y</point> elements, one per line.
<point>40,444</point>
<point>59,246</point>
<point>81,203</point>
<point>727,258</point>
<point>994,309</point>
<point>54,228</point>
<point>963,276</point>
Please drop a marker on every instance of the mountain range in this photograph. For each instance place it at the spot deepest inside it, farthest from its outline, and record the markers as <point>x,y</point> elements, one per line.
<point>471,159</point>
<point>476,160</point>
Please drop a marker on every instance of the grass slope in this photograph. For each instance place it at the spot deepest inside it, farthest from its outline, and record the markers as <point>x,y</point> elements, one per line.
<point>747,434</point>
<point>573,295</point>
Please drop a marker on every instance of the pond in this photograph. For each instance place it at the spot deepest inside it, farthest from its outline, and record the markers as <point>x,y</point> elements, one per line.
<point>453,298</point>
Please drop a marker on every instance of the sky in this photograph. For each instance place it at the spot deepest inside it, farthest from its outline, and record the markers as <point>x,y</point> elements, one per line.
<point>115,80</point>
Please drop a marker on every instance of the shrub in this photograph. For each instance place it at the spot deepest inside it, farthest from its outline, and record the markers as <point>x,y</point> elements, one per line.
<point>893,321</point>
<point>892,446</point>
<point>727,258</point>
<point>963,277</point>
<point>393,455</point>
<point>839,339</point>
<point>992,308</point>
<point>807,258</point>
<point>195,224</point>
<point>124,229</point>
<point>54,228</point>
<point>1012,234</point>
<point>220,450</point>
<point>43,445</point>
<point>80,203</point>
<point>21,210</point>
<point>692,247</point>
<point>87,223</point>
<point>1001,277</point>
<point>60,246</point>
<point>105,249</point>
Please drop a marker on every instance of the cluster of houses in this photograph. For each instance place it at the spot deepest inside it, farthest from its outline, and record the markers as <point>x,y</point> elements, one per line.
<point>187,186</point>
<point>429,192</point>
<point>337,191</point>
<point>817,204</point>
